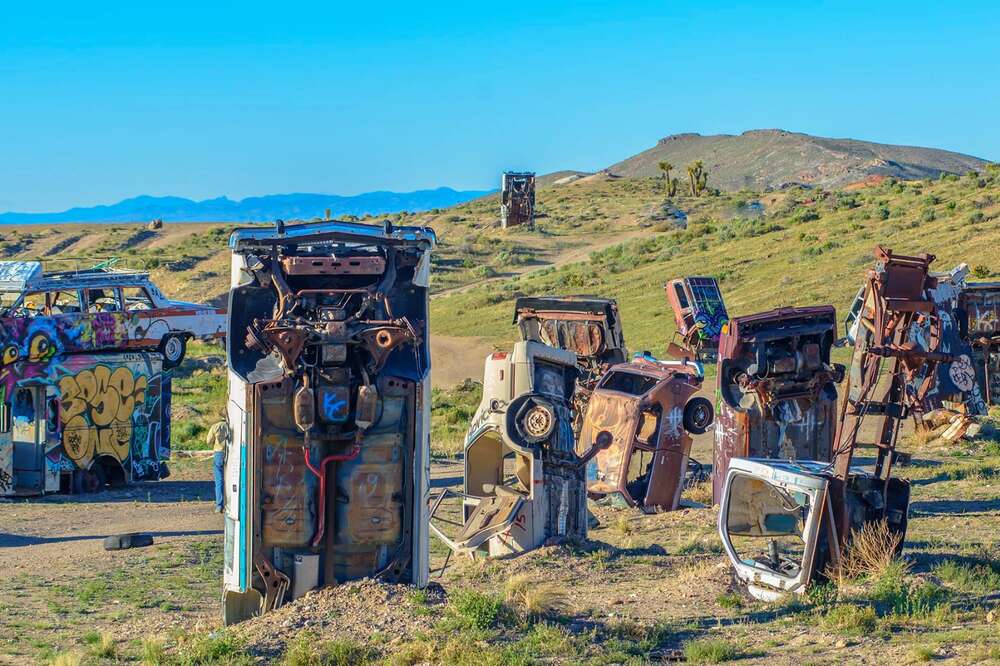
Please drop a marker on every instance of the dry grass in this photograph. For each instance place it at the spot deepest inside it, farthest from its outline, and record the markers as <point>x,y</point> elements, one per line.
<point>700,493</point>
<point>623,525</point>
<point>870,553</point>
<point>534,598</point>
<point>67,659</point>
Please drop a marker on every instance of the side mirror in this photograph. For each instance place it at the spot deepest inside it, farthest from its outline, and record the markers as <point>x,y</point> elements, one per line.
<point>603,441</point>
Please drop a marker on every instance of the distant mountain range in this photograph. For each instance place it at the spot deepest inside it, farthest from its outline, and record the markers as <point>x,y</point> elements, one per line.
<point>773,158</point>
<point>253,209</point>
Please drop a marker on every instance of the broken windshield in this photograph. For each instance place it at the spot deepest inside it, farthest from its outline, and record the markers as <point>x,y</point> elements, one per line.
<point>766,524</point>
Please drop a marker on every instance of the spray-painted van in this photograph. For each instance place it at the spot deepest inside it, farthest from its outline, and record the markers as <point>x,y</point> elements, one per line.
<point>76,422</point>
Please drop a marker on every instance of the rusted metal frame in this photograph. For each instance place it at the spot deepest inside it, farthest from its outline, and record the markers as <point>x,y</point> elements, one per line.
<point>561,315</point>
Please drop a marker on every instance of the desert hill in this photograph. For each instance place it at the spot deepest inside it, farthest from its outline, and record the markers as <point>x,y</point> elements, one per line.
<point>773,158</point>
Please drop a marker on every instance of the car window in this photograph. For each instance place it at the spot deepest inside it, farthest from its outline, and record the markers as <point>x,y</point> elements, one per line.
<point>65,302</point>
<point>33,304</point>
<point>136,298</point>
<point>8,298</point>
<point>102,300</point>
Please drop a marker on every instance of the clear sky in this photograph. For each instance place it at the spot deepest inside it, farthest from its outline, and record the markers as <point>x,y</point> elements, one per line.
<point>104,100</point>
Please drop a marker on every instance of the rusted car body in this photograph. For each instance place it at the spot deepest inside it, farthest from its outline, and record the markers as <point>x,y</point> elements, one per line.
<point>329,397</point>
<point>588,326</point>
<point>777,389</point>
<point>786,523</point>
<point>979,321</point>
<point>961,385</point>
<point>699,314</point>
<point>517,199</point>
<point>650,410</point>
<point>524,484</point>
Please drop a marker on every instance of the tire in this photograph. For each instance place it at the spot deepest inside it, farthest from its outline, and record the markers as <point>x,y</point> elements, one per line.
<point>173,347</point>
<point>698,415</point>
<point>125,541</point>
<point>531,418</point>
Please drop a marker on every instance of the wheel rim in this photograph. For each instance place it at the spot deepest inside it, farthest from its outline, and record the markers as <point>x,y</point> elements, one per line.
<point>701,416</point>
<point>538,422</point>
<point>172,349</point>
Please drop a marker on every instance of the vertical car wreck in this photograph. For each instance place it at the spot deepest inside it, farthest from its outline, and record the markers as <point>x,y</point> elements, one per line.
<point>517,199</point>
<point>786,523</point>
<point>588,326</point>
<point>979,323</point>
<point>650,411</point>
<point>777,389</point>
<point>329,397</point>
<point>699,314</point>
<point>524,483</point>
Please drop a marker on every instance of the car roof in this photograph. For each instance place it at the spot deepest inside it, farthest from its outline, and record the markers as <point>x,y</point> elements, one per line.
<point>28,276</point>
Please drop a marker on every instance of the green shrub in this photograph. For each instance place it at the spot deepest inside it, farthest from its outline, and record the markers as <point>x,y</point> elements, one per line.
<point>975,578</point>
<point>850,619</point>
<point>710,651</point>
<point>478,610</point>
<point>217,648</point>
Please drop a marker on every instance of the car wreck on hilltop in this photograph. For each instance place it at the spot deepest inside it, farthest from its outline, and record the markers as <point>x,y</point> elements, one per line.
<point>329,398</point>
<point>650,411</point>
<point>785,524</point>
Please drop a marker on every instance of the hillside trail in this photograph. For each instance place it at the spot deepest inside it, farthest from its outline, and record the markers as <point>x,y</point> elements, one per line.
<point>560,258</point>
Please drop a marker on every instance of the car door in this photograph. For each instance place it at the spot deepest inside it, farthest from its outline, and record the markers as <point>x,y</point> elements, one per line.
<point>104,314</point>
<point>145,320</point>
<point>28,433</point>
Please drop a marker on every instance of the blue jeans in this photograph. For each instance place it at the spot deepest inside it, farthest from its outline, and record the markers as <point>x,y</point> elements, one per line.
<point>219,465</point>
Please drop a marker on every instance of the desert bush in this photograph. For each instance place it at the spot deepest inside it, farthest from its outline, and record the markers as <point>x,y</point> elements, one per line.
<point>710,651</point>
<point>975,578</point>
<point>478,610</point>
<point>850,619</point>
<point>534,598</point>
<point>870,554</point>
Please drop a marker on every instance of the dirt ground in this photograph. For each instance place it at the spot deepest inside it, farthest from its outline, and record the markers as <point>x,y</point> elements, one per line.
<point>638,576</point>
<point>454,359</point>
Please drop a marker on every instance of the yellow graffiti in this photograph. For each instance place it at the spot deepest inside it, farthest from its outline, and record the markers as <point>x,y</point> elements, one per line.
<point>96,414</point>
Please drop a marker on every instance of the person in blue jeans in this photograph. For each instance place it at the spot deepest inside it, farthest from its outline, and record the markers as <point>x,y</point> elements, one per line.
<point>218,438</point>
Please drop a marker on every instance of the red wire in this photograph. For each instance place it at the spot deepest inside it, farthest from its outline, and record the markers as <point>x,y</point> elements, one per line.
<point>321,475</point>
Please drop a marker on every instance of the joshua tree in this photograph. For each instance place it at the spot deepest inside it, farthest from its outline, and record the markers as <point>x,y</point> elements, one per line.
<point>672,187</point>
<point>666,167</point>
<point>698,177</point>
<point>702,182</point>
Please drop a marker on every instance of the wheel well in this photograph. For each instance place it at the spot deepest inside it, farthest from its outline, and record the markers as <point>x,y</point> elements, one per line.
<point>114,471</point>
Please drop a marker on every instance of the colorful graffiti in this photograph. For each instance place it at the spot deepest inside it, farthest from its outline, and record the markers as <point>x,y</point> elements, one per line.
<point>98,406</point>
<point>95,406</point>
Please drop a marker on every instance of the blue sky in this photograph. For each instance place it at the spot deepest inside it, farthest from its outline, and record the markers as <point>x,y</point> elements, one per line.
<point>102,101</point>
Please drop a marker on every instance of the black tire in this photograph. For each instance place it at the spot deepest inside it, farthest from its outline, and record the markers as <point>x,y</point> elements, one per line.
<point>125,541</point>
<point>698,415</point>
<point>533,419</point>
<point>173,347</point>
